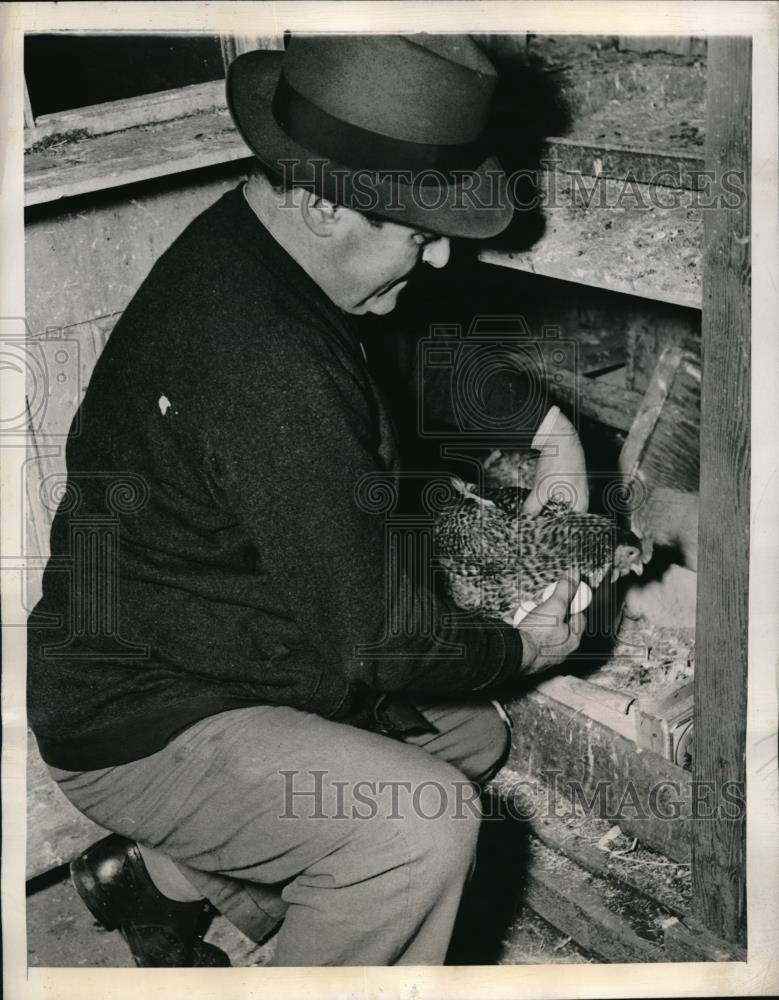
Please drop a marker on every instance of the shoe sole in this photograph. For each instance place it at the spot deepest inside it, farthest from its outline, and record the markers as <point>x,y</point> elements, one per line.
<point>90,892</point>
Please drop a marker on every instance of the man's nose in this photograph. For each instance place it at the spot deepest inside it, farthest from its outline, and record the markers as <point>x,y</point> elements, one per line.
<point>437,253</point>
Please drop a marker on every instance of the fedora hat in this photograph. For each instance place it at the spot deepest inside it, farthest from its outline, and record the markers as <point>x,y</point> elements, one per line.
<point>390,125</point>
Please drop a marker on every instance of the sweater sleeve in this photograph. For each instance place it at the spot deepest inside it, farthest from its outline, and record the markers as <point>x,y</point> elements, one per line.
<point>289,455</point>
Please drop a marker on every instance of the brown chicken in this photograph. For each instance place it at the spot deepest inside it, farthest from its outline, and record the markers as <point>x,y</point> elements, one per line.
<point>496,558</point>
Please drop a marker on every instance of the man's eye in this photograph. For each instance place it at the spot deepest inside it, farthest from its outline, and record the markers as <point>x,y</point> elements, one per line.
<point>422,239</point>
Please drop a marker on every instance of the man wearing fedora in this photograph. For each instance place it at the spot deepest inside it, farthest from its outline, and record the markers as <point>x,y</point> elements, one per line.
<point>248,727</point>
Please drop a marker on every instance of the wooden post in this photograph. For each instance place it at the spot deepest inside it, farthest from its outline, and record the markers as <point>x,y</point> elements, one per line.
<point>718,841</point>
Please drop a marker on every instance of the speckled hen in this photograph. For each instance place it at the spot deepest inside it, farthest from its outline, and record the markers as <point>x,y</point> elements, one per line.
<point>497,558</point>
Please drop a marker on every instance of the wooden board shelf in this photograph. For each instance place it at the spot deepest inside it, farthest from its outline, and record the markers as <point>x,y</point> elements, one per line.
<point>593,156</point>
<point>625,241</point>
<point>98,162</point>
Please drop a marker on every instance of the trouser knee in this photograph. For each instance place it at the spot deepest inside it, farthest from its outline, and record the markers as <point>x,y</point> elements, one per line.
<point>443,827</point>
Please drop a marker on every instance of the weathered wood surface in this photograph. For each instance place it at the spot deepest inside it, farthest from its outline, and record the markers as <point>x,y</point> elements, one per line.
<point>649,411</point>
<point>615,235</point>
<point>719,843</point>
<point>138,154</point>
<point>645,794</point>
<point>684,941</point>
<point>648,165</point>
<point>664,439</point>
<point>567,898</point>
<point>671,457</point>
<point>598,704</point>
<point>680,45</point>
<point>56,830</point>
<point>131,112</point>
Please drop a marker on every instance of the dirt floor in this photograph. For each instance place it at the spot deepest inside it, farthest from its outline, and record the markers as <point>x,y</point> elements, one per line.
<point>61,933</point>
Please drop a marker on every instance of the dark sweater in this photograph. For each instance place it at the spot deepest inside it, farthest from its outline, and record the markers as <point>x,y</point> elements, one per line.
<point>234,398</point>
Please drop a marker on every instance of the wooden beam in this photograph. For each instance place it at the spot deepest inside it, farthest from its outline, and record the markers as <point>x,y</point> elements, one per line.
<point>719,845</point>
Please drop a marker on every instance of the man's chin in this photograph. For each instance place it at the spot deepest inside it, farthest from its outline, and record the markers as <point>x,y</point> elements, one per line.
<point>386,302</point>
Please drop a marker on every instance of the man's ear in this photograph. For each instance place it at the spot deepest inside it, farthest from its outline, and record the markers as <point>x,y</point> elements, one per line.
<point>320,215</point>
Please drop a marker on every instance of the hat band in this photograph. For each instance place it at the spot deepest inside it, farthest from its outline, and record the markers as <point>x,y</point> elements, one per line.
<point>360,148</point>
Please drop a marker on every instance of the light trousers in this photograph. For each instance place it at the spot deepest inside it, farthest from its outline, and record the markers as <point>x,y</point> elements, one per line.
<point>361,844</point>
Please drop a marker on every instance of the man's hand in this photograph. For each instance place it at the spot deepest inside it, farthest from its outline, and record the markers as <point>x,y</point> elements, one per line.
<point>549,636</point>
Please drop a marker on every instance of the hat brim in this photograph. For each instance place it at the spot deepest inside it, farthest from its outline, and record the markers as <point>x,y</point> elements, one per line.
<point>480,208</point>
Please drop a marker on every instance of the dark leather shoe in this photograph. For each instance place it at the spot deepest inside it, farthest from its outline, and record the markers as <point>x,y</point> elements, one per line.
<point>112,881</point>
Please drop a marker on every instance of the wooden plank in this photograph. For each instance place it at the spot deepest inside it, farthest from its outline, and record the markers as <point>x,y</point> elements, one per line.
<point>56,830</point>
<point>670,453</point>
<point>678,45</point>
<point>649,411</point>
<point>137,154</point>
<point>610,708</point>
<point>719,844</point>
<point>645,794</point>
<point>115,116</point>
<point>686,942</point>
<point>676,168</point>
<point>618,236</point>
<point>567,898</point>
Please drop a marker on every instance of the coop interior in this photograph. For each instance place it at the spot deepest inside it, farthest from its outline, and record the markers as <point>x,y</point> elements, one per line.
<point>618,281</point>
